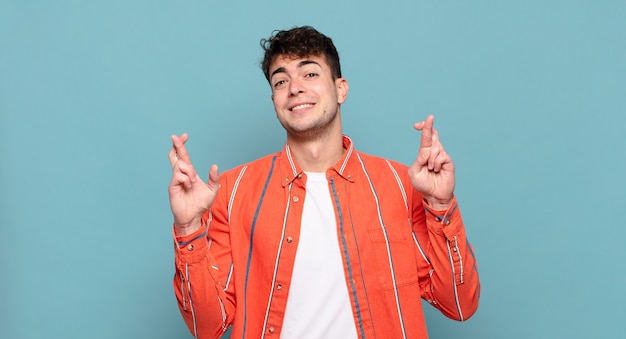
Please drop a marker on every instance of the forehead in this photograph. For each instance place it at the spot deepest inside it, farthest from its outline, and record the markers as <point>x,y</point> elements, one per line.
<point>285,62</point>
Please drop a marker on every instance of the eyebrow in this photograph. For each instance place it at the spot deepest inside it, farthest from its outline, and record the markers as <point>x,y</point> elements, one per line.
<point>300,64</point>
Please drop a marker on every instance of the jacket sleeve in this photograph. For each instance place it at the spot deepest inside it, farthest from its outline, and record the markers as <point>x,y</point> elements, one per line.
<point>449,277</point>
<point>202,281</point>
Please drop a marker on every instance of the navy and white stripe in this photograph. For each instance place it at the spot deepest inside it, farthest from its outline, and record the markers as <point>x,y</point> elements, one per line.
<point>229,277</point>
<point>345,161</point>
<point>382,225</point>
<point>458,253</point>
<point>275,273</point>
<point>291,163</point>
<point>344,248</point>
<point>406,205</point>
<point>456,295</point>
<point>234,193</point>
<point>249,261</point>
<point>193,312</point>
<point>419,247</point>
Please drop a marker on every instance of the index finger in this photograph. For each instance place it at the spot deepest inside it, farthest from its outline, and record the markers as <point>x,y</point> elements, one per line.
<point>179,147</point>
<point>426,127</point>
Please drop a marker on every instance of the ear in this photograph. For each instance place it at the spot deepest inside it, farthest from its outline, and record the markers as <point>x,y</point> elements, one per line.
<point>342,90</point>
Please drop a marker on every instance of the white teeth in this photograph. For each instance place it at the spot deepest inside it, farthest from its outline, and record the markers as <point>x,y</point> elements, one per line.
<point>301,106</point>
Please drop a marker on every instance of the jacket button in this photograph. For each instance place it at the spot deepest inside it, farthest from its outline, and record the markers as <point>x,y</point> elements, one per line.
<point>296,199</point>
<point>289,239</point>
<point>271,330</point>
<point>190,247</point>
<point>279,287</point>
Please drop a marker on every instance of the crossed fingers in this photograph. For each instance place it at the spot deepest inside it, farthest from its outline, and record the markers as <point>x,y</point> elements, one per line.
<point>183,171</point>
<point>431,151</point>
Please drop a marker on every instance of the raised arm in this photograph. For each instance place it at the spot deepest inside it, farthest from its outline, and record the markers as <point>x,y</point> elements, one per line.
<point>201,298</point>
<point>451,279</point>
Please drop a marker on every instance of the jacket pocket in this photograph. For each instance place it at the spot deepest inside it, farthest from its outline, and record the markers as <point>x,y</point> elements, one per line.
<point>393,249</point>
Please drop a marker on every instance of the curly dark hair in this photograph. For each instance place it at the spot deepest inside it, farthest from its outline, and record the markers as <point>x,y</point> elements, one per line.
<point>300,42</point>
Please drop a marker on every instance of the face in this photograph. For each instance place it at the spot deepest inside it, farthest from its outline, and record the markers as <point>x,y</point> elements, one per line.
<point>306,97</point>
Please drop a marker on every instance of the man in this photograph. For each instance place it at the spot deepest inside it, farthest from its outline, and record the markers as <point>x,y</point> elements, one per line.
<point>319,240</point>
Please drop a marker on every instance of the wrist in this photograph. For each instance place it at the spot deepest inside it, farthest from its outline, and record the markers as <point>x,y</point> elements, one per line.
<point>182,230</point>
<point>438,204</point>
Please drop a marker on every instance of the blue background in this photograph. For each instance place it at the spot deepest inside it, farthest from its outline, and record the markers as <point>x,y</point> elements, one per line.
<point>529,97</point>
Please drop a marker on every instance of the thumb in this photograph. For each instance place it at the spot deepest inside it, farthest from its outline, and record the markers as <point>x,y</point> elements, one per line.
<point>214,178</point>
<point>422,156</point>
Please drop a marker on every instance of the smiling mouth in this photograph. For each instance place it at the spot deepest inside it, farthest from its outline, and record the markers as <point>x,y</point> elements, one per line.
<point>298,107</point>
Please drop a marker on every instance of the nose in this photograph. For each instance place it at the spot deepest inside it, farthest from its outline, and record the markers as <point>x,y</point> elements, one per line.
<point>295,87</point>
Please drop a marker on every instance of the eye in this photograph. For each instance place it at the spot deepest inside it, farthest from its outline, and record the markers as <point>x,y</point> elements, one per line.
<point>311,75</point>
<point>279,83</point>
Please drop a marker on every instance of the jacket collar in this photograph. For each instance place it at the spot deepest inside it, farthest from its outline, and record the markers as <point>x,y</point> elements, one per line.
<point>290,170</point>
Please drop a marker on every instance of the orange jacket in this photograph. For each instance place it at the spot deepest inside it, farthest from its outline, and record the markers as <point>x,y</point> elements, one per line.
<point>236,269</point>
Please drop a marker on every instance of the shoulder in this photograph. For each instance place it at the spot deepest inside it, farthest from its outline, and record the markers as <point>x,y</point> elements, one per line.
<point>257,166</point>
<point>377,161</point>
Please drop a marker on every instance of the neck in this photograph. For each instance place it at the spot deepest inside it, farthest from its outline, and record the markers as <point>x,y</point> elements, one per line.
<point>317,155</point>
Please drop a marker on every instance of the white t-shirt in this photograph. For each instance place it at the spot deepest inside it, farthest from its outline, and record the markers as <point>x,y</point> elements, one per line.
<point>318,305</point>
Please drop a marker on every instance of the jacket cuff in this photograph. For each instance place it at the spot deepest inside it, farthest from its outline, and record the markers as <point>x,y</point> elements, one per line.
<point>444,222</point>
<point>193,247</point>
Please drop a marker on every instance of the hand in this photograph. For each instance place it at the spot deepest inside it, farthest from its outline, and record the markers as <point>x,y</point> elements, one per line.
<point>190,197</point>
<point>432,173</point>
